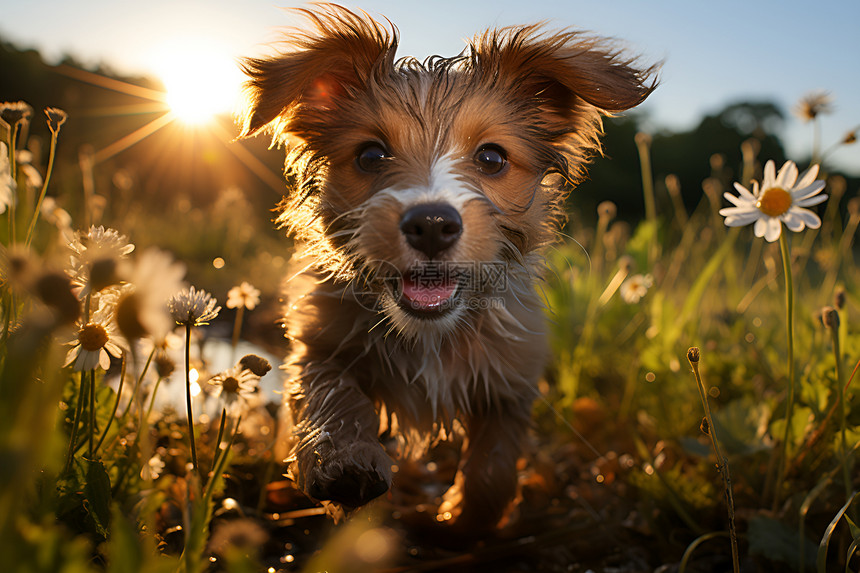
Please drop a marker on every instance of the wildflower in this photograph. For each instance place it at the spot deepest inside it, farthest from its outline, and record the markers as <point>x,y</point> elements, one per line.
<point>153,468</point>
<point>142,308</point>
<point>7,184</point>
<point>95,342</point>
<point>244,535</point>
<point>781,199</point>
<point>56,118</point>
<point>235,386</point>
<point>634,288</point>
<point>96,254</point>
<point>192,307</point>
<point>813,104</point>
<point>244,295</point>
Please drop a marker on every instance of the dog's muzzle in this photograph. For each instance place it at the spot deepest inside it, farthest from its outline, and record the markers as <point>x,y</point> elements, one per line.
<point>431,228</point>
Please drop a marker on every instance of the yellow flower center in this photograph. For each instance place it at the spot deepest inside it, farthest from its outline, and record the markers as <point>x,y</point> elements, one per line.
<point>230,385</point>
<point>774,201</point>
<point>93,337</point>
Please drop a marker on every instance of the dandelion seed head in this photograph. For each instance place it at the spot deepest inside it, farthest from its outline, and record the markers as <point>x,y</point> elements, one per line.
<point>814,104</point>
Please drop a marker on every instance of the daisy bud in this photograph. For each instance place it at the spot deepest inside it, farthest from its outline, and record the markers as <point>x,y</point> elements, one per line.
<point>673,185</point>
<point>642,139</point>
<point>839,298</point>
<point>256,364</point>
<point>693,355</point>
<point>607,210</point>
<point>830,317</point>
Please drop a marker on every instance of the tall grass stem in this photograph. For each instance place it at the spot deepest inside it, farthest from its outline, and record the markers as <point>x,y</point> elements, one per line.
<point>789,402</point>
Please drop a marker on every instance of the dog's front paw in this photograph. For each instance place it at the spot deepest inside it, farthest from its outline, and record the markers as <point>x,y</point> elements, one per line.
<point>351,475</point>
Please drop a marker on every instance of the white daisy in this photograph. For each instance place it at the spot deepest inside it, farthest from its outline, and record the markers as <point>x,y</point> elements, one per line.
<point>236,386</point>
<point>244,295</point>
<point>96,254</point>
<point>634,288</point>
<point>95,342</point>
<point>781,199</point>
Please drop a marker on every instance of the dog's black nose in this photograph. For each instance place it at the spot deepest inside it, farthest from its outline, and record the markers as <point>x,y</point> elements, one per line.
<point>431,228</point>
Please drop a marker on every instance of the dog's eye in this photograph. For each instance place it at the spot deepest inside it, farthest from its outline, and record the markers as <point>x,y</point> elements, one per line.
<point>371,157</point>
<point>491,159</point>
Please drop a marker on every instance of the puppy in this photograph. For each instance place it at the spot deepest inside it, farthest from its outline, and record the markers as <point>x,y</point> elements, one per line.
<point>424,195</point>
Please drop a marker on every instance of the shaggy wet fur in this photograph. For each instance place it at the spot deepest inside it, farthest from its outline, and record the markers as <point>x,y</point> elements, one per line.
<point>485,145</point>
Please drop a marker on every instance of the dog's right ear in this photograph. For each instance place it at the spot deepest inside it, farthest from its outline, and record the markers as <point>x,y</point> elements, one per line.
<point>325,64</point>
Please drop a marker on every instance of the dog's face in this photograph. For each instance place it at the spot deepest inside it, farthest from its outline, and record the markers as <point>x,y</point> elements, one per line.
<point>430,186</point>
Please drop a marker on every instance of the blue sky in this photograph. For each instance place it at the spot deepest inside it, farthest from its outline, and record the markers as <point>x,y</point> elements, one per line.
<point>714,53</point>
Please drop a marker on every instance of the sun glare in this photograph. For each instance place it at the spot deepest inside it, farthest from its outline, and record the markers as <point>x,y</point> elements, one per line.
<point>201,80</point>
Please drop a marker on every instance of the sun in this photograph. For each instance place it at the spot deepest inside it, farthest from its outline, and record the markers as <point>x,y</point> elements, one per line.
<point>201,79</point>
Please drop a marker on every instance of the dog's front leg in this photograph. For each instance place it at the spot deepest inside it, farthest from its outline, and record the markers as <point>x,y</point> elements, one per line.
<point>338,456</point>
<point>486,482</point>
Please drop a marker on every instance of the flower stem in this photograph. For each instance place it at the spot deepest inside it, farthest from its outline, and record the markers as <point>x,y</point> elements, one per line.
<point>789,403</point>
<point>78,410</point>
<point>833,326</point>
<point>218,451</point>
<point>722,462</point>
<point>115,404</point>
<point>35,218</point>
<point>188,396</point>
<point>92,413</point>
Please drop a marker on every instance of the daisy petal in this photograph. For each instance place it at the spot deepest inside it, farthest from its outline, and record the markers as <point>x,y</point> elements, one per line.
<point>811,219</point>
<point>792,221</point>
<point>810,201</point>
<point>787,175</point>
<point>760,227</point>
<point>744,192</point>
<point>808,177</point>
<point>769,179</point>
<point>742,219</point>
<point>774,228</point>
<point>808,191</point>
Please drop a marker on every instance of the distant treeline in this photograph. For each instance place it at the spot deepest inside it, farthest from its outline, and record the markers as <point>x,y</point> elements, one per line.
<point>174,162</point>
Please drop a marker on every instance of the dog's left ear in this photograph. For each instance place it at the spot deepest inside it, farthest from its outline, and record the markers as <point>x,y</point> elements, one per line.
<point>561,72</point>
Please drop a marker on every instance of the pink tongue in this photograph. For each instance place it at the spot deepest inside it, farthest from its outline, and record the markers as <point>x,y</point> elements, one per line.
<point>429,295</point>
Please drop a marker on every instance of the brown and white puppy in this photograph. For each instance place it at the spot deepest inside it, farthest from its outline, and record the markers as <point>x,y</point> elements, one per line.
<point>424,195</point>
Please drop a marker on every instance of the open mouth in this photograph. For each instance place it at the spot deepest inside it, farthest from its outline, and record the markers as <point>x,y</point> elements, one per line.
<point>427,293</point>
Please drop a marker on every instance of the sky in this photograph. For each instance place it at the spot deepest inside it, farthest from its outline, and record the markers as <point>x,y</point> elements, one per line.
<point>713,53</point>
